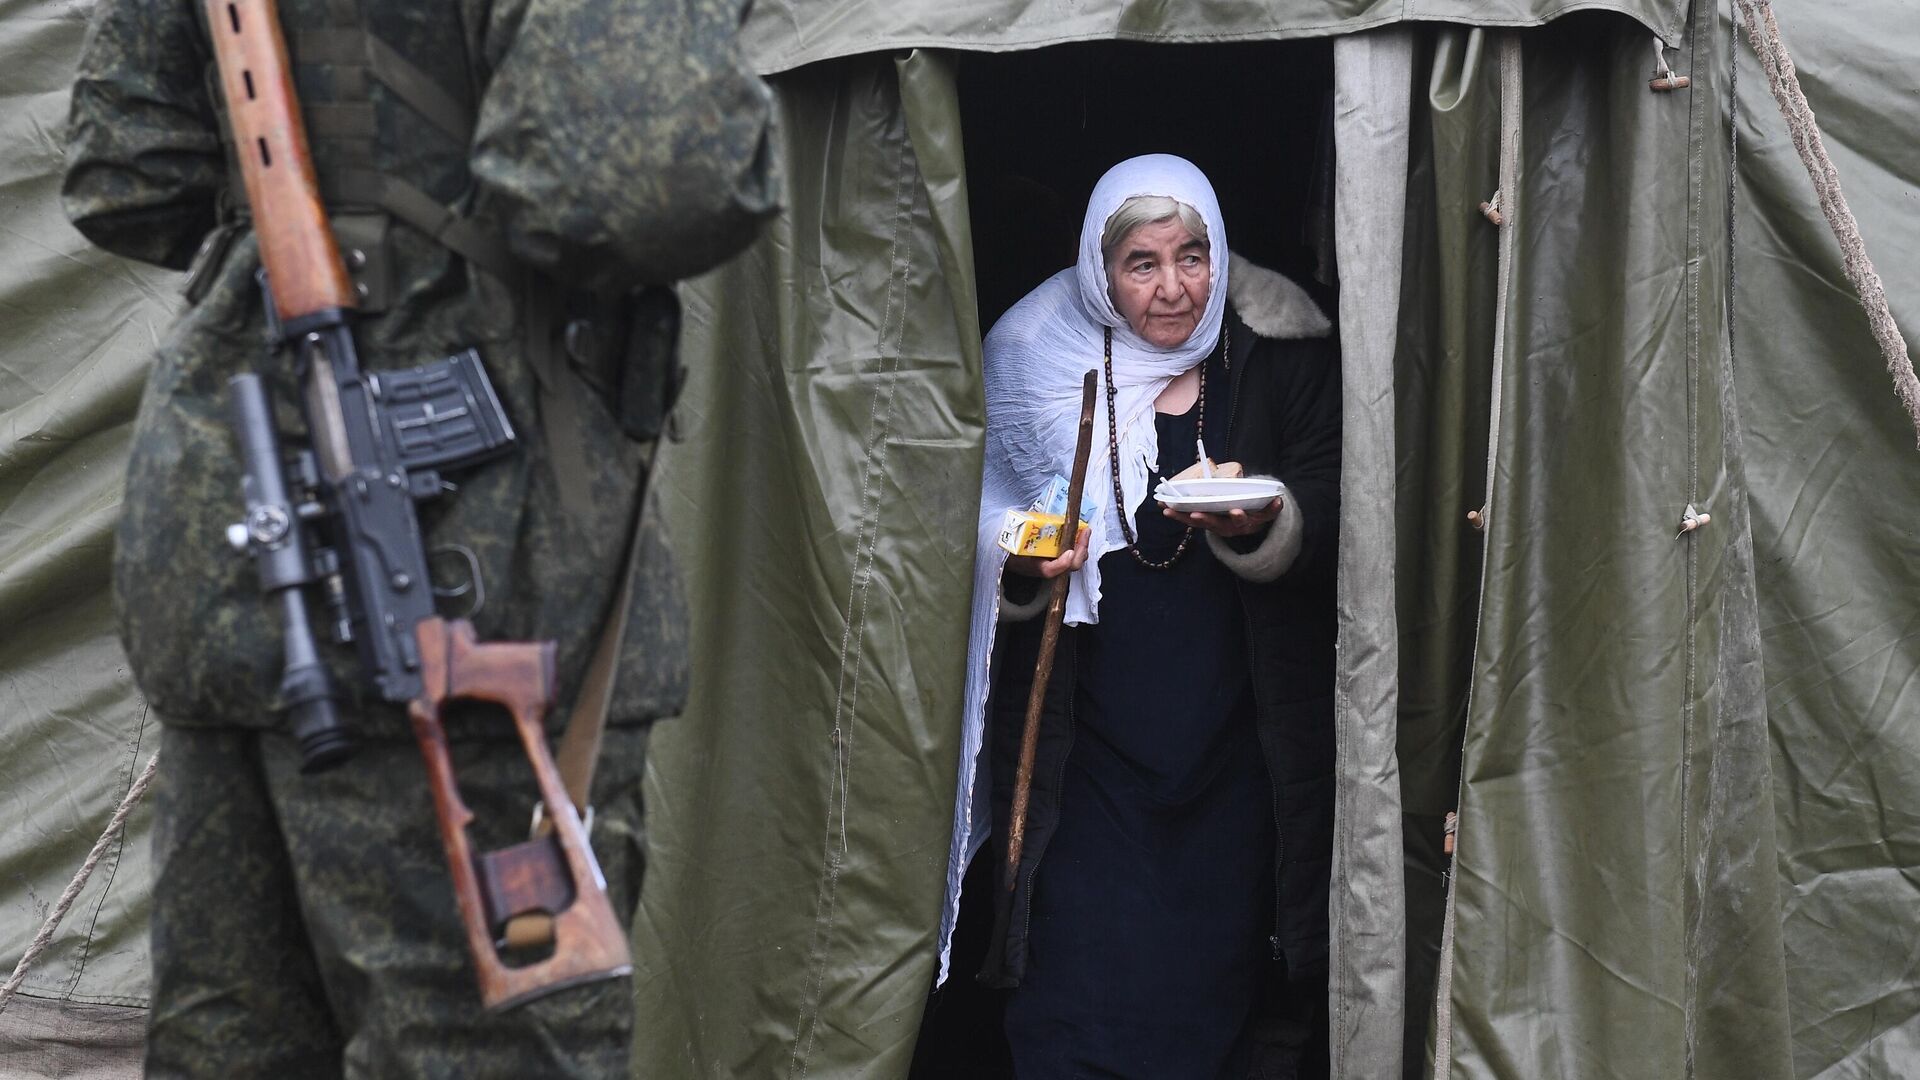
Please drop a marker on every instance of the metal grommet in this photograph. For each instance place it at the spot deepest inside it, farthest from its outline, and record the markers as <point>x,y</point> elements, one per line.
<point>356,259</point>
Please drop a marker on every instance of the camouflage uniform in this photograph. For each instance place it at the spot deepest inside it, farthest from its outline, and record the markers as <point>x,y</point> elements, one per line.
<point>303,926</point>
<point>297,919</point>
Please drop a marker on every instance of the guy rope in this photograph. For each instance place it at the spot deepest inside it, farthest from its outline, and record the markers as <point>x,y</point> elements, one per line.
<point>1784,81</point>
<point>45,937</point>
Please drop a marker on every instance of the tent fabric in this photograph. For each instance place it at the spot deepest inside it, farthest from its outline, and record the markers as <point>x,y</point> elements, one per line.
<point>1614,369</point>
<point>1442,374</point>
<point>1615,900</point>
<point>76,327</point>
<point>823,507</point>
<point>42,1039</point>
<point>1836,527</point>
<point>1372,83</point>
<point>783,34</point>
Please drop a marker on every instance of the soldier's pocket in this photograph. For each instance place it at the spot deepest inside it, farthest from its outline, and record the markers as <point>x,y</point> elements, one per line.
<point>192,622</point>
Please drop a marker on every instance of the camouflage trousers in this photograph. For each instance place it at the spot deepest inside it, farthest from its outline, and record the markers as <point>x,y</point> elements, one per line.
<point>304,926</point>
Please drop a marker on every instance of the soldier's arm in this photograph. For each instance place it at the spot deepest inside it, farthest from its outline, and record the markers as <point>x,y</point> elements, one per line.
<point>619,144</point>
<point>144,161</point>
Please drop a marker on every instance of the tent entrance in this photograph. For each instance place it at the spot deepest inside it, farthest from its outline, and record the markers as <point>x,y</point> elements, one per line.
<point>1038,129</point>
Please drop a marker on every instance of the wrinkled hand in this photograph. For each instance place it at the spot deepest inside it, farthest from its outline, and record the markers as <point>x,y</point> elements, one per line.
<point>1067,562</point>
<point>1233,522</point>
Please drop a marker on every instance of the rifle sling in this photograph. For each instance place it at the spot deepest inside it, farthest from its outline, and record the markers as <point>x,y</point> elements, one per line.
<point>462,235</point>
<point>354,47</point>
<point>579,747</point>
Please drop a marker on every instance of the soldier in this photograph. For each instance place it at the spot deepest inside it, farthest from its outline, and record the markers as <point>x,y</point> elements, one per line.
<point>500,174</point>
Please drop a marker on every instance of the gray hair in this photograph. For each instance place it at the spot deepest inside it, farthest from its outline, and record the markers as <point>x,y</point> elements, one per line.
<point>1148,210</point>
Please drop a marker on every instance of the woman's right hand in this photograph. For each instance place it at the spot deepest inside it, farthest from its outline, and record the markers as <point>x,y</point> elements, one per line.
<point>1067,562</point>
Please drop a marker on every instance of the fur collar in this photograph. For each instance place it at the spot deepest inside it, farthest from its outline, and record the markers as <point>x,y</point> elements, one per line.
<point>1272,306</point>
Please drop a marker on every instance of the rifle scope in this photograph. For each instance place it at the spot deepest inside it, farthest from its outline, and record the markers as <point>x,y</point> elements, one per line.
<point>274,535</point>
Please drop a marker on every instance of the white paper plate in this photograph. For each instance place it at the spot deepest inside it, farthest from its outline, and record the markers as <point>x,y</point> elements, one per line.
<point>1217,495</point>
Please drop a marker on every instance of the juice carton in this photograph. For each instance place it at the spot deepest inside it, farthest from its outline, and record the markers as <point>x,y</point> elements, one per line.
<point>1027,532</point>
<point>1036,530</point>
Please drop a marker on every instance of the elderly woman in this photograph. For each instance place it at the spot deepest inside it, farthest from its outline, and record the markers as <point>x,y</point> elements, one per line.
<point>1169,916</point>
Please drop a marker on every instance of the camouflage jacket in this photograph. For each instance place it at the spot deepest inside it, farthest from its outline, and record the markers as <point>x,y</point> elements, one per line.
<point>453,107</point>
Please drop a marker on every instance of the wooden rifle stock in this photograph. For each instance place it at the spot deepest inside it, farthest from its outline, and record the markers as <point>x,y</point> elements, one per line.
<point>554,874</point>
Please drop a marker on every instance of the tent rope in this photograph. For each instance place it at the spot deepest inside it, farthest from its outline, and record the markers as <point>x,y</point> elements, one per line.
<point>1784,81</point>
<point>45,937</point>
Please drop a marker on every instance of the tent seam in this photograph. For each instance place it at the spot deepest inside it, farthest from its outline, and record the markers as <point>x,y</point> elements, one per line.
<point>113,870</point>
<point>1690,712</point>
<point>865,549</point>
<point>794,60</point>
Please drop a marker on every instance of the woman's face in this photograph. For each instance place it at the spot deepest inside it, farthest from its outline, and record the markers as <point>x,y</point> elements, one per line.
<point>1159,276</point>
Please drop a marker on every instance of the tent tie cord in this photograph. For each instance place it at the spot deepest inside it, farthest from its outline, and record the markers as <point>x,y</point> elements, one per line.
<point>1491,208</point>
<point>1764,34</point>
<point>1663,76</point>
<point>45,937</point>
<point>1692,519</point>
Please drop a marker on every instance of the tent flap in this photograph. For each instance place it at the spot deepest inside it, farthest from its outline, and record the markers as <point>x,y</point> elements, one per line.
<point>1616,909</point>
<point>1373,76</point>
<point>822,507</point>
<point>1442,376</point>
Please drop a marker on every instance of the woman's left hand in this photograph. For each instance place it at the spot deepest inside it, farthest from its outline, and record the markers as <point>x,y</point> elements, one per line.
<point>1233,522</point>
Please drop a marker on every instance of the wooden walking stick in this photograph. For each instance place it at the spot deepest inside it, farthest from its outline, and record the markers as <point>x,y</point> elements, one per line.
<point>1049,640</point>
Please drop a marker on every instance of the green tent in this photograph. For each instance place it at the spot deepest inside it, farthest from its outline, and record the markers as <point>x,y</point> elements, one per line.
<point>1685,847</point>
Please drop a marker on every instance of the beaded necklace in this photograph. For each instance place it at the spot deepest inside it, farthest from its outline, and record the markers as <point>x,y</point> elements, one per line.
<point>1113,457</point>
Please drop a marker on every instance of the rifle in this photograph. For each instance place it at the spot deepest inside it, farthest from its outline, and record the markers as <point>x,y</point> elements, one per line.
<point>340,517</point>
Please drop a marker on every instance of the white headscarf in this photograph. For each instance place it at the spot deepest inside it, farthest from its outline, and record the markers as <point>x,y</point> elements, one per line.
<point>1036,357</point>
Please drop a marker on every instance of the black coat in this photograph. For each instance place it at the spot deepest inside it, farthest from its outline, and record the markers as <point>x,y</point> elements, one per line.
<point>1285,422</point>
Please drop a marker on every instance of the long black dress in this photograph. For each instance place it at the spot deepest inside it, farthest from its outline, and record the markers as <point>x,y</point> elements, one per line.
<point>1153,902</point>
